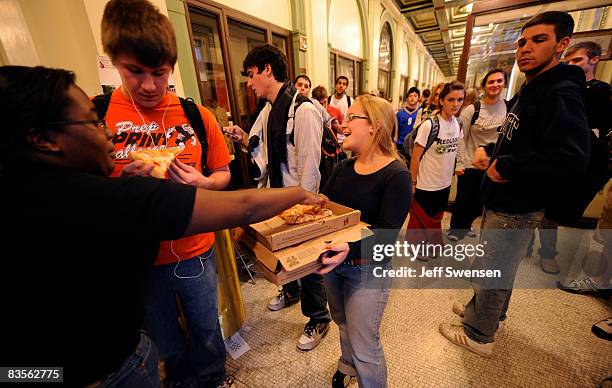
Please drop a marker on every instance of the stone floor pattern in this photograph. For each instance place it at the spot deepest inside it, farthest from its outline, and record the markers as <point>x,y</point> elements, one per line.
<point>547,342</point>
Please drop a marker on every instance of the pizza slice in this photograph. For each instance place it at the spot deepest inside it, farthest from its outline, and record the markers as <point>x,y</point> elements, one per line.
<point>300,214</point>
<point>160,158</point>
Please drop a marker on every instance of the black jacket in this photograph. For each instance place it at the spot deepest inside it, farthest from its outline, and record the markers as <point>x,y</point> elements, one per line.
<point>544,144</point>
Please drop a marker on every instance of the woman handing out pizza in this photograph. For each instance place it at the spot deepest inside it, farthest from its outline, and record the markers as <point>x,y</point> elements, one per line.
<point>381,189</point>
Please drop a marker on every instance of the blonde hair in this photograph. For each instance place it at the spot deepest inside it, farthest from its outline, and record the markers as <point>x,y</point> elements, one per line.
<point>382,116</point>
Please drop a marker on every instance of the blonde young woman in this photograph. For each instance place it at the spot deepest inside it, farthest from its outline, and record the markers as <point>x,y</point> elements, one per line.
<point>378,184</point>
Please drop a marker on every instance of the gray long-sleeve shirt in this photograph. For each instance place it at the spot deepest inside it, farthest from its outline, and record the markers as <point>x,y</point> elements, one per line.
<point>484,130</point>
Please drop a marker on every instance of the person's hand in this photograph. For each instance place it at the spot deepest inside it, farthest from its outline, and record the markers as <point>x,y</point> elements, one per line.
<point>315,199</point>
<point>333,257</point>
<point>237,134</point>
<point>481,160</point>
<point>180,172</point>
<point>494,175</point>
<point>459,171</point>
<point>137,168</point>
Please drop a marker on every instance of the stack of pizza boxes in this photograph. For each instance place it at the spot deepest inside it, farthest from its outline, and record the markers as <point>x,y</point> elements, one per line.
<point>289,252</point>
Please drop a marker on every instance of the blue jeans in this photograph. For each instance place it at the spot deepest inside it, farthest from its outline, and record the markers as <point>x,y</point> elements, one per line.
<point>507,237</point>
<point>314,301</point>
<point>358,311</point>
<point>138,370</point>
<point>201,357</point>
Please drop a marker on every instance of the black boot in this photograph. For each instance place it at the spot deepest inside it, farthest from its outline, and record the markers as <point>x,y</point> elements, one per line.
<point>338,380</point>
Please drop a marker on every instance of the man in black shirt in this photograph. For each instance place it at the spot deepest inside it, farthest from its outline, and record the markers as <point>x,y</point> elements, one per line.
<point>73,285</point>
<point>544,144</point>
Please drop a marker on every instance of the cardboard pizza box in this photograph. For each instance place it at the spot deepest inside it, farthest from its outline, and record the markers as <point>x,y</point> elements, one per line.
<point>275,234</point>
<point>295,262</point>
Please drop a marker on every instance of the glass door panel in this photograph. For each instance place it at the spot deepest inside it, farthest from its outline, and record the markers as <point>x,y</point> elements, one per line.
<point>346,67</point>
<point>242,39</point>
<point>209,58</point>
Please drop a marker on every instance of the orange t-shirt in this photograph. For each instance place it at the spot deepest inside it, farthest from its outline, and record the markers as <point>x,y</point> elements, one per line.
<point>132,133</point>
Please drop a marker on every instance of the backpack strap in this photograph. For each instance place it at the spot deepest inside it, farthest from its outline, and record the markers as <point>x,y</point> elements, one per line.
<point>300,99</point>
<point>476,111</point>
<point>101,102</point>
<point>195,119</point>
<point>433,134</point>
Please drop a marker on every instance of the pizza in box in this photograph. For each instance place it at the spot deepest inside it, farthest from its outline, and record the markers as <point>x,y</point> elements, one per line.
<point>300,214</point>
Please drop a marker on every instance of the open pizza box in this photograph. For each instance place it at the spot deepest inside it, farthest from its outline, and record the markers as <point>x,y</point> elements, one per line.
<point>295,262</point>
<point>275,234</point>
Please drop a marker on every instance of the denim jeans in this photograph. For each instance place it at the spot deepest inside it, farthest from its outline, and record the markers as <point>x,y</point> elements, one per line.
<point>201,357</point>
<point>357,309</point>
<point>138,370</point>
<point>313,298</point>
<point>507,237</point>
<point>548,240</point>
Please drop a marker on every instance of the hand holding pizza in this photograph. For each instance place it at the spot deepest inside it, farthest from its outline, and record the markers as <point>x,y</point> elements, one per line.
<point>180,172</point>
<point>137,167</point>
<point>315,199</point>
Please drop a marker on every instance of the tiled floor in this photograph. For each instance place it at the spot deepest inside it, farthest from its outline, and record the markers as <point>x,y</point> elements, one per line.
<point>547,342</point>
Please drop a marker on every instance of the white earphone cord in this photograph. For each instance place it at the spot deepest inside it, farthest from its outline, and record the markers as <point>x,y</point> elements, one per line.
<point>166,144</point>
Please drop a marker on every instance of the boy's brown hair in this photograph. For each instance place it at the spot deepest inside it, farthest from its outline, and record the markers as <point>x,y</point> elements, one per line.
<point>137,28</point>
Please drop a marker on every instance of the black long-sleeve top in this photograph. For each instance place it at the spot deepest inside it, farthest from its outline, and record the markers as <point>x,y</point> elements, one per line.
<point>383,197</point>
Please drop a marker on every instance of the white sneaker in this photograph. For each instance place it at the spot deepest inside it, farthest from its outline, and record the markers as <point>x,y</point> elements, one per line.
<point>459,308</point>
<point>313,333</point>
<point>281,300</point>
<point>456,335</point>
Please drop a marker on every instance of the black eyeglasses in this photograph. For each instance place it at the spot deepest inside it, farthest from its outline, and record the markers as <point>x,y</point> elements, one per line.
<point>352,117</point>
<point>99,123</point>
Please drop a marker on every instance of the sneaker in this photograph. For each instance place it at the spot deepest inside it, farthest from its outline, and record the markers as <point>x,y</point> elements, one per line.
<point>472,234</point>
<point>580,286</point>
<point>603,329</point>
<point>456,335</point>
<point>452,237</point>
<point>340,380</point>
<point>282,300</point>
<point>549,266</point>
<point>313,333</point>
<point>459,309</point>
<point>228,382</point>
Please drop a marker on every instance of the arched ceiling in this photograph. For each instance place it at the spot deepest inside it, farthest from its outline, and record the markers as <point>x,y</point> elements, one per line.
<point>441,26</point>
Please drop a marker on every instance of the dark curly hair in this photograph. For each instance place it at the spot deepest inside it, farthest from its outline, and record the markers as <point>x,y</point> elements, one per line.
<point>29,98</point>
<point>267,54</point>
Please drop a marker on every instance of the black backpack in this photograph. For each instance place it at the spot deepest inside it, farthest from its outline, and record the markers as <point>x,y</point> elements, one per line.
<point>409,141</point>
<point>102,101</point>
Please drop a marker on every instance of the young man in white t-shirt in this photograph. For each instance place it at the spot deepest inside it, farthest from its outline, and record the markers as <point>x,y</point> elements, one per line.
<point>432,167</point>
<point>340,99</point>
